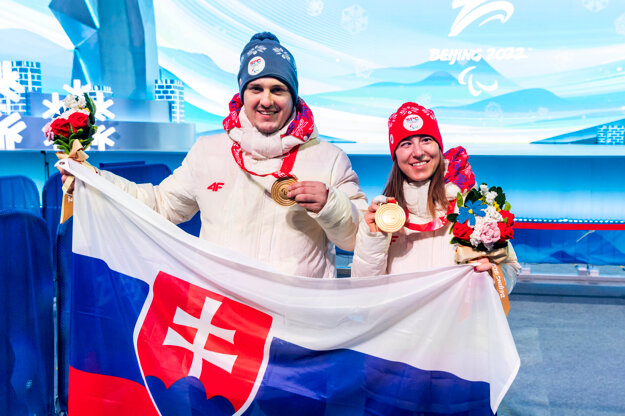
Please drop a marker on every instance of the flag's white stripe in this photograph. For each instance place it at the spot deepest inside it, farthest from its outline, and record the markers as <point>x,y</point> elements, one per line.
<point>448,319</point>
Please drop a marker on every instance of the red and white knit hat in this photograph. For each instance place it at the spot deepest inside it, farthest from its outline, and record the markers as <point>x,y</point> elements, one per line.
<point>411,119</point>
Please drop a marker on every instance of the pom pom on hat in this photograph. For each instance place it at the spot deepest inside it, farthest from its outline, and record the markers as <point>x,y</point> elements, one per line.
<point>411,119</point>
<point>264,56</point>
<point>264,36</point>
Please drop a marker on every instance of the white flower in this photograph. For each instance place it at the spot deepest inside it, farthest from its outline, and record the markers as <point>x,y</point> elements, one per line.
<point>492,214</point>
<point>490,197</point>
<point>75,102</point>
<point>476,236</point>
<point>483,189</point>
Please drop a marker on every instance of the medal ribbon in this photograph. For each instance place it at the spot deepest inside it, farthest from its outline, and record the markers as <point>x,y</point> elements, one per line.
<point>432,225</point>
<point>283,172</point>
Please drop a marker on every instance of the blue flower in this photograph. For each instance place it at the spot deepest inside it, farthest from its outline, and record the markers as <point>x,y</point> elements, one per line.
<point>470,210</point>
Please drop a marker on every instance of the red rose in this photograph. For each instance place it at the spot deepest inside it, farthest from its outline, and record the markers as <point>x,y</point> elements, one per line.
<point>78,120</point>
<point>60,126</point>
<point>462,231</point>
<point>506,231</point>
<point>509,216</point>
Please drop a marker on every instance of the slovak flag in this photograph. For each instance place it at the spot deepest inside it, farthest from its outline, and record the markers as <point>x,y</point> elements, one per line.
<point>163,323</point>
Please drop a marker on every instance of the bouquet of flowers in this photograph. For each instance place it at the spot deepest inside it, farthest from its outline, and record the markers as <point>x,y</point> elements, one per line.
<point>72,132</point>
<point>482,228</point>
<point>76,123</point>
<point>484,221</point>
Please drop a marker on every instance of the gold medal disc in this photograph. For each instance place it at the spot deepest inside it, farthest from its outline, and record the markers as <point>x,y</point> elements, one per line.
<point>390,218</point>
<point>280,188</point>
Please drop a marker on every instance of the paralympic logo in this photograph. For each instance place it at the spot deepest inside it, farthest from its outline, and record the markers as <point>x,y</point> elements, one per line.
<point>473,10</point>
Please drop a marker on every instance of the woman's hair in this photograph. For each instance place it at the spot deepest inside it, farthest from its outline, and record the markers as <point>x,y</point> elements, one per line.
<point>437,198</point>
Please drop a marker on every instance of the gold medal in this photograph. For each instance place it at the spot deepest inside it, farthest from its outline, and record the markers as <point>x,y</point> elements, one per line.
<point>280,189</point>
<point>390,218</point>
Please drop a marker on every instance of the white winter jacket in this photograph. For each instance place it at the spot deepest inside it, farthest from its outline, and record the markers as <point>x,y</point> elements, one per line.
<point>405,251</point>
<point>238,212</point>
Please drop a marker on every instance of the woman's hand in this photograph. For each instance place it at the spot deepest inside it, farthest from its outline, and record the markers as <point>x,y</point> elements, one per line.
<point>65,175</point>
<point>482,264</point>
<point>370,214</point>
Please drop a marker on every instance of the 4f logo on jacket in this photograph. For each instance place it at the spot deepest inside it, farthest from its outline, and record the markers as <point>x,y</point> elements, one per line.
<point>216,186</point>
<point>197,347</point>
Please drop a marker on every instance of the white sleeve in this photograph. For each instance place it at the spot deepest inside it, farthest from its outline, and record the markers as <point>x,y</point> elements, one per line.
<point>371,252</point>
<point>341,214</point>
<point>174,198</point>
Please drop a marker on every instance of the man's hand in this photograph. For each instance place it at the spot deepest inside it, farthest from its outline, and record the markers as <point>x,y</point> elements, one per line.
<point>311,195</point>
<point>65,175</point>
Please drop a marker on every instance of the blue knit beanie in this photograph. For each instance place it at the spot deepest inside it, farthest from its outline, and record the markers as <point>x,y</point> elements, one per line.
<point>263,56</point>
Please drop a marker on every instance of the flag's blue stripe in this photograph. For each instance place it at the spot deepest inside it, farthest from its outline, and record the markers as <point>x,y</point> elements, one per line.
<point>105,308</point>
<point>345,382</point>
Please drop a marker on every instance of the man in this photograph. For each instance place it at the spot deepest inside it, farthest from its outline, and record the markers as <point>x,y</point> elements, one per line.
<point>229,177</point>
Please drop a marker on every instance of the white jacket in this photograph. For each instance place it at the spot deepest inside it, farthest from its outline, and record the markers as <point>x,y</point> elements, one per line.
<point>239,214</point>
<point>406,250</point>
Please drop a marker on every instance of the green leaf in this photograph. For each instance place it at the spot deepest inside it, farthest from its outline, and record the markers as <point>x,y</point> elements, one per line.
<point>452,217</point>
<point>455,240</point>
<point>91,107</point>
<point>473,195</point>
<point>459,200</point>
<point>507,206</point>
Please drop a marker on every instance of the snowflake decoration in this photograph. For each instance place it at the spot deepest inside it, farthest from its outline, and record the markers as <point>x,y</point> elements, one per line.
<point>77,88</point>
<point>314,7</point>
<point>10,129</point>
<point>9,84</point>
<point>493,111</point>
<point>391,120</point>
<point>101,106</point>
<point>256,49</point>
<point>563,59</point>
<point>542,112</point>
<point>363,68</point>
<point>101,138</point>
<point>354,19</point>
<point>53,106</point>
<point>595,5</point>
<point>282,53</point>
<point>619,24</point>
<point>425,99</point>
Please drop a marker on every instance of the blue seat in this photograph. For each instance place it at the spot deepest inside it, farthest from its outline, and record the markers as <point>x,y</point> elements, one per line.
<point>27,326</point>
<point>52,198</point>
<point>63,257</point>
<point>152,173</point>
<point>19,192</point>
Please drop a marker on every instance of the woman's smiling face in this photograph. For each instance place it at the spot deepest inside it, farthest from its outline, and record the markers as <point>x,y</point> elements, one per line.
<point>418,157</point>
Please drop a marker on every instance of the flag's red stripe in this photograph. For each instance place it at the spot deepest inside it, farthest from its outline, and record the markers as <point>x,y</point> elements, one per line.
<point>567,226</point>
<point>99,395</point>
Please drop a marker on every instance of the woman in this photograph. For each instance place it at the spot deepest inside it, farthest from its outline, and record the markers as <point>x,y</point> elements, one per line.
<point>425,182</point>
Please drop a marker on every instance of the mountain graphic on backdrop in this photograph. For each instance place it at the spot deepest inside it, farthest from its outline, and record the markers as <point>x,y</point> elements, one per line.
<point>482,70</point>
<point>523,101</point>
<point>431,84</point>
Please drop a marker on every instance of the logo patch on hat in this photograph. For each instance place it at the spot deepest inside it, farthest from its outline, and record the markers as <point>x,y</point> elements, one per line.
<point>413,122</point>
<point>256,65</point>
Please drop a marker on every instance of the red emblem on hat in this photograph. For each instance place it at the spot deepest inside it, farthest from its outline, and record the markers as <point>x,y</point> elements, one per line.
<point>191,331</point>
